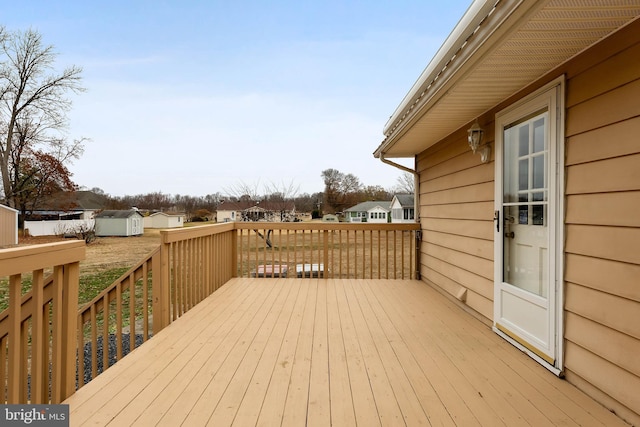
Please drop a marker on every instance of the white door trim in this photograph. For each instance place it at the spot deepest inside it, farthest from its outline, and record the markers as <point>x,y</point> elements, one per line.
<point>551,96</point>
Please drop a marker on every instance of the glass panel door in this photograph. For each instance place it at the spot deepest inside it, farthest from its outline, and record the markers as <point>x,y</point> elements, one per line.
<point>525,203</point>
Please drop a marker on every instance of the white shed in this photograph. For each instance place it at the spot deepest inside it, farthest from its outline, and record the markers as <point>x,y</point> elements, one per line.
<point>8,226</point>
<point>119,223</point>
<point>164,220</point>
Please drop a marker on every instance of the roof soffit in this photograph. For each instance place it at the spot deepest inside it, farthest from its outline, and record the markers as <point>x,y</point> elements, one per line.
<point>528,42</point>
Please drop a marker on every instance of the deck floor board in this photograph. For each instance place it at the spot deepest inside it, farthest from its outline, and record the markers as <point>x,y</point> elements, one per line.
<point>315,352</point>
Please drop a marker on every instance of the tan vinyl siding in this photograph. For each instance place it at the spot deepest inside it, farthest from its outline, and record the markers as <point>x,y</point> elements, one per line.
<point>602,220</point>
<point>456,214</point>
<point>602,249</point>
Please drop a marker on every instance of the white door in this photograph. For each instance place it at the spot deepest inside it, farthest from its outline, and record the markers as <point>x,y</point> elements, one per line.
<point>528,142</point>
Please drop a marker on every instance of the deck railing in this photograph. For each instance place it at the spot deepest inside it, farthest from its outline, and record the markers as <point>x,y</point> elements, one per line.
<point>37,331</point>
<point>117,320</point>
<point>329,250</point>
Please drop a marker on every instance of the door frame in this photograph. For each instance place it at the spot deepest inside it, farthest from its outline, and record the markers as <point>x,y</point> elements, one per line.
<point>551,95</point>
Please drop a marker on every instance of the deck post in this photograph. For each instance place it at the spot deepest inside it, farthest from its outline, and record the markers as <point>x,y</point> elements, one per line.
<point>160,285</point>
<point>325,255</point>
<point>71,278</point>
<point>234,252</point>
<point>418,241</point>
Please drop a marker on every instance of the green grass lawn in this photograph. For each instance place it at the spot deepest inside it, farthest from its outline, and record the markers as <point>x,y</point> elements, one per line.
<point>90,286</point>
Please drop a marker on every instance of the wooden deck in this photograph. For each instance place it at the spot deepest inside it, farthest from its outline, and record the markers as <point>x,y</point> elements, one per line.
<point>296,352</point>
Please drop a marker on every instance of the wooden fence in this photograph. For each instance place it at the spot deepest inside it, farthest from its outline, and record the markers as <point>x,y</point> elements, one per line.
<point>37,330</point>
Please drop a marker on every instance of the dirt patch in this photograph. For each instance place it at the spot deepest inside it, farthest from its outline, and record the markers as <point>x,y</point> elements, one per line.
<point>106,253</point>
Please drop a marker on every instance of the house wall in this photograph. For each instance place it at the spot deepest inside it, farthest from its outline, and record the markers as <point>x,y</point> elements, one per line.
<point>378,215</point>
<point>398,213</point>
<point>163,221</point>
<point>226,216</point>
<point>602,249</point>
<point>602,220</point>
<point>456,212</point>
<point>8,226</point>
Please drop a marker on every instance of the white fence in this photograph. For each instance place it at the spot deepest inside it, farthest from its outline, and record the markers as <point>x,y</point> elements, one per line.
<point>57,228</point>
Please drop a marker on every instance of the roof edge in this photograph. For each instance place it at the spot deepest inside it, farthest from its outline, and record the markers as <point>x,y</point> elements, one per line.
<point>471,32</point>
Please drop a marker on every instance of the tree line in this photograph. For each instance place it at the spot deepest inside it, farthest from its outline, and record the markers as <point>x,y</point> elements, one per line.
<point>341,191</point>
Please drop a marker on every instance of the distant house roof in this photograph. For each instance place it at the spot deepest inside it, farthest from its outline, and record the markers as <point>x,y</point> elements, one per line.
<point>167,214</point>
<point>405,200</point>
<point>74,200</point>
<point>367,206</point>
<point>118,214</point>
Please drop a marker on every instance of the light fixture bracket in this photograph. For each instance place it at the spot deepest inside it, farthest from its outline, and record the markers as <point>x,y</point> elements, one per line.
<point>475,135</point>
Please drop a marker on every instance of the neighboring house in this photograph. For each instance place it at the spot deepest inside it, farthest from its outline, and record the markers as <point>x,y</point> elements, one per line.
<point>164,220</point>
<point>375,211</point>
<point>250,210</point>
<point>402,208</point>
<point>542,240</point>
<point>81,205</point>
<point>8,226</point>
<point>119,223</point>
<point>65,212</point>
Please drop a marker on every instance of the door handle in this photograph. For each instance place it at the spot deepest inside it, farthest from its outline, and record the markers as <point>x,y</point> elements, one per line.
<point>509,234</point>
<point>496,218</point>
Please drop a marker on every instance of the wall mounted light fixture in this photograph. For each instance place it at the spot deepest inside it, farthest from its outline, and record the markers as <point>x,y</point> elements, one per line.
<point>475,142</point>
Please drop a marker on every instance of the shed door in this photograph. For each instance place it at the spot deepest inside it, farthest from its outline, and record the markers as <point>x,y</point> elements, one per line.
<point>527,206</point>
<point>136,226</point>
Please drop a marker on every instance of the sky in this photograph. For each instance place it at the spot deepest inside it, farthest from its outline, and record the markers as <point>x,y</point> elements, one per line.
<point>199,97</point>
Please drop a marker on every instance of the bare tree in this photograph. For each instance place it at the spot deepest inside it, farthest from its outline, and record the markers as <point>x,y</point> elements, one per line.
<point>406,183</point>
<point>33,105</point>
<point>281,199</point>
<point>340,190</point>
<point>243,191</point>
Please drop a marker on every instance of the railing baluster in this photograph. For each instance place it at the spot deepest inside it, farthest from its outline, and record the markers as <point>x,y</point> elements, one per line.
<point>118,321</point>
<point>24,350</point>
<point>37,333</point>
<point>94,344</point>
<point>4,385</point>
<point>46,345</point>
<point>106,308</point>
<point>295,247</point>
<point>340,257</point>
<point>395,256</point>
<point>15,295</point>
<point>145,301</point>
<point>132,312</point>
